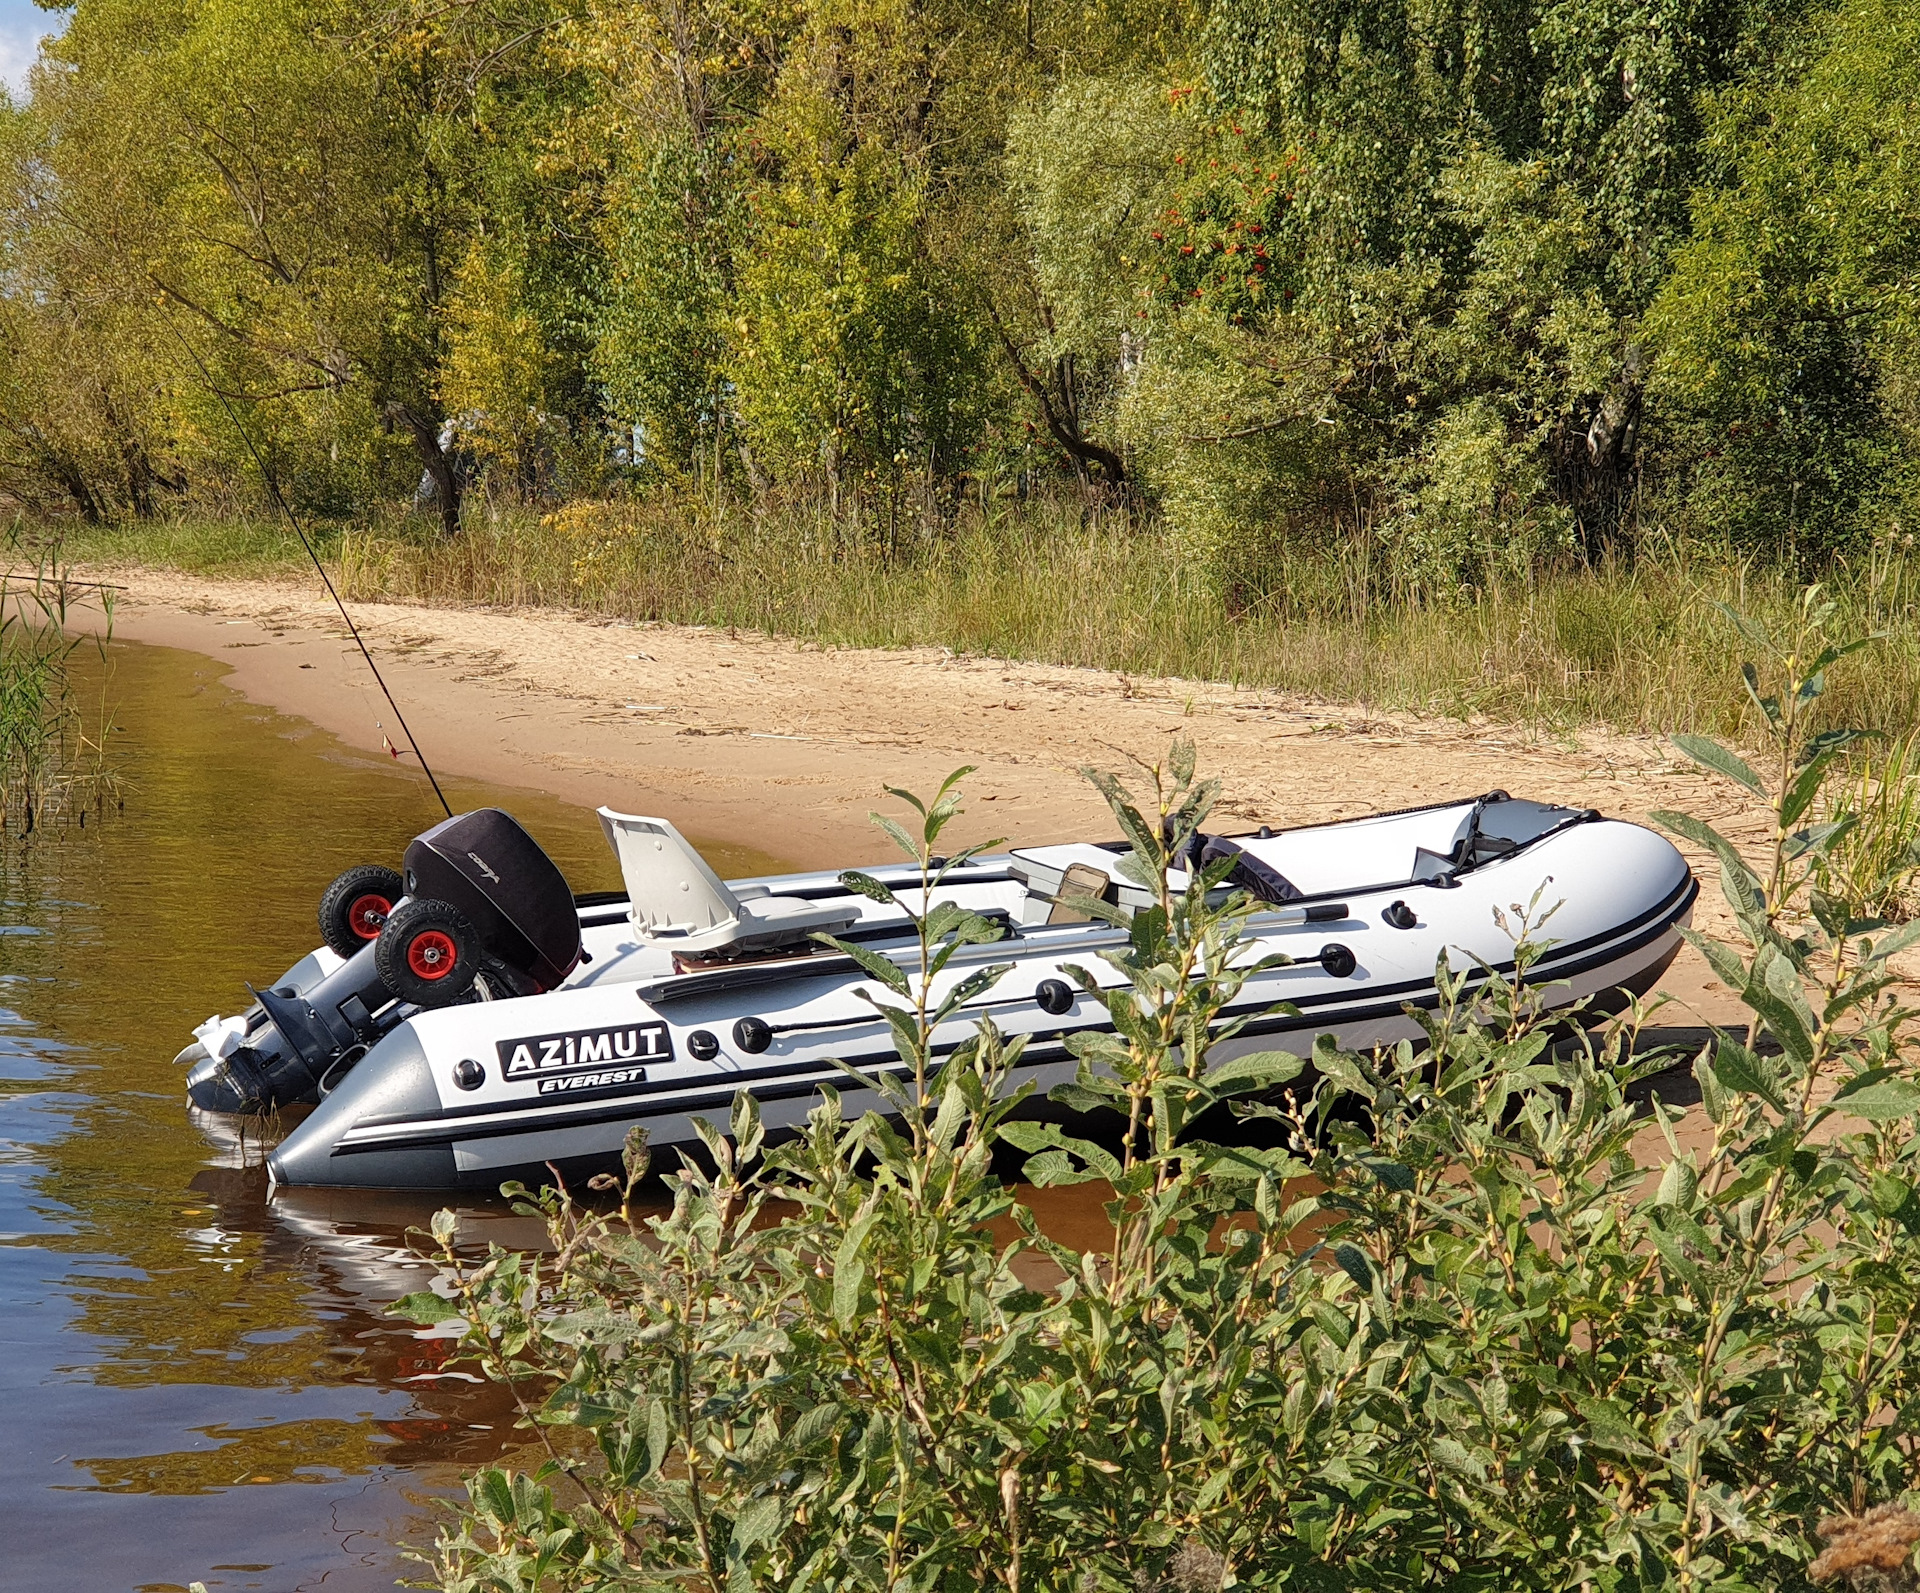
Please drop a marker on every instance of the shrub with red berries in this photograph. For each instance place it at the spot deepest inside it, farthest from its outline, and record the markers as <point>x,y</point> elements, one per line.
<point>1221,240</point>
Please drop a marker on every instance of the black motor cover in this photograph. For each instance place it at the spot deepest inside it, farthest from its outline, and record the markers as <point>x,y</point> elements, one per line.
<point>511,892</point>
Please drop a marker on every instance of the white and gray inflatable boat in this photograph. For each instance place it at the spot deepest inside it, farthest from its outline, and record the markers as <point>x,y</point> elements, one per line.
<point>472,1021</point>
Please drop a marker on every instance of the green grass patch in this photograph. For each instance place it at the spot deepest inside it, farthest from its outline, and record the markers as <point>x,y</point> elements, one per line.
<point>236,548</point>
<point>1636,645</point>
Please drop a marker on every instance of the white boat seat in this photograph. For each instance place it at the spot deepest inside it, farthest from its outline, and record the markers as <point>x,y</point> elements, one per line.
<point>677,900</point>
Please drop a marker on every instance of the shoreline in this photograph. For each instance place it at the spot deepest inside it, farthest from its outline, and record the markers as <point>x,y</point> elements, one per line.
<point>738,732</point>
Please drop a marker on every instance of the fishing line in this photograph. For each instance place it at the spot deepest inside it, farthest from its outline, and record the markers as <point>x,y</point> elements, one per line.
<point>273,491</point>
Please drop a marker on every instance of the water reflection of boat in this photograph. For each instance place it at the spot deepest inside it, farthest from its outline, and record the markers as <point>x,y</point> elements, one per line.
<point>494,1025</point>
<point>360,1251</point>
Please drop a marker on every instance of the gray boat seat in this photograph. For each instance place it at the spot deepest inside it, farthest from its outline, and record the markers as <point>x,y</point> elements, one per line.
<point>678,901</point>
<point>1081,880</point>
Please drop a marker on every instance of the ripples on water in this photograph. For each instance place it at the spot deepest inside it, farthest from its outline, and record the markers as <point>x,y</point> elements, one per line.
<point>198,1383</point>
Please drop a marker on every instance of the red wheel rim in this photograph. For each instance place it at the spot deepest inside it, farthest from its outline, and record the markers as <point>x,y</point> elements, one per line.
<point>367,914</point>
<point>431,954</point>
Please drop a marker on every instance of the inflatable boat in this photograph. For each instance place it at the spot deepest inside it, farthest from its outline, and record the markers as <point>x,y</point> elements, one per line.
<point>471,1020</point>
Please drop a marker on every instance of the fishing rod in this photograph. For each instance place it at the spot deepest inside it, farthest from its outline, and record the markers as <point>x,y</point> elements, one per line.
<point>273,491</point>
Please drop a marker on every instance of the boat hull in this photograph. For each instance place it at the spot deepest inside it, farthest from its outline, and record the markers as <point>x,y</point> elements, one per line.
<point>565,1076</point>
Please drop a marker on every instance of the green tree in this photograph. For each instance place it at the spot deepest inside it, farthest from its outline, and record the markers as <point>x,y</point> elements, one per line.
<point>1789,331</point>
<point>1461,217</point>
<point>849,362</point>
<point>277,199</point>
<point>676,87</point>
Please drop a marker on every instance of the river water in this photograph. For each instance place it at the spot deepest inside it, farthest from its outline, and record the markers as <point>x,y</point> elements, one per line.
<point>197,1380</point>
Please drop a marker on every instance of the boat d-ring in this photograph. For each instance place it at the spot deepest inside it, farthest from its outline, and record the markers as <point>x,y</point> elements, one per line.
<point>1337,959</point>
<point>338,1069</point>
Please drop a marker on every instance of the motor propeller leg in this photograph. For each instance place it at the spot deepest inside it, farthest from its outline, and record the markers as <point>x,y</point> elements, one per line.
<point>305,1038</point>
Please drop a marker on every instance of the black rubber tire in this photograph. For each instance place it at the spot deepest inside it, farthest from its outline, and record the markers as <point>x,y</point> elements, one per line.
<point>428,953</point>
<point>348,918</point>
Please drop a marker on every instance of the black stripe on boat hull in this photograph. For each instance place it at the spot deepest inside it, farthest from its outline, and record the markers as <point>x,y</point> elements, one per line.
<point>666,1098</point>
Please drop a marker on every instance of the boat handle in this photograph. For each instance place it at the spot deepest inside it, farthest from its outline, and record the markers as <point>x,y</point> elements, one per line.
<point>754,1035</point>
<point>1312,913</point>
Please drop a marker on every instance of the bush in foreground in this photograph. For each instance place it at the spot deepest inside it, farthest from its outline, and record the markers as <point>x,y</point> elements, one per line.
<point>1454,1334</point>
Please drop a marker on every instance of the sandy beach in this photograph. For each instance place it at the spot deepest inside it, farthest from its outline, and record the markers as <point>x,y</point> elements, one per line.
<point>768,742</point>
<point>786,747</point>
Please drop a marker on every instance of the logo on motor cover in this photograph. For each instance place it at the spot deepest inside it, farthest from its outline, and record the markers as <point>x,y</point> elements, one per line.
<point>586,1059</point>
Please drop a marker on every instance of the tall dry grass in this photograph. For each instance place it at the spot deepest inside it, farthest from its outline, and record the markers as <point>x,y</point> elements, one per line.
<point>1873,865</point>
<point>1632,644</point>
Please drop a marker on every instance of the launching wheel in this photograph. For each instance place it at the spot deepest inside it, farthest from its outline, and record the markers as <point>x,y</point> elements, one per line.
<point>428,953</point>
<point>354,906</point>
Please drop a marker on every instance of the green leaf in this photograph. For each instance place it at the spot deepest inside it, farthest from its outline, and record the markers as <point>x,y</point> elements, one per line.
<point>1182,759</point>
<point>1257,1068</point>
<point>1709,754</point>
<point>1455,1456</point>
<point>975,984</point>
<point>1821,747</point>
<point>1769,706</point>
<point>1829,656</point>
<point>866,885</point>
<point>1678,1183</point>
<point>888,972</point>
<point>1610,1426</point>
<point>899,836</point>
<point>1677,1260</point>
<point>1054,1169</point>
<point>1136,829</point>
<point>1816,839</point>
<point>748,1130</point>
<point>1081,1098</point>
<point>1241,1161</point>
<point>1033,1137</point>
<point>1755,634</point>
<point>1352,1260</point>
<point>493,1492</point>
<point>1393,1175</point>
<point>1782,1016</point>
<point>659,1436</point>
<point>1890,945</point>
<point>905,796</point>
<point>813,1425</point>
<point>1881,1101</point>
<point>424,1306</point>
<point>760,1521</point>
<point>1714,1097</point>
<point>961,926</point>
<point>1685,824</point>
<point>1740,1070</point>
<point>849,1272</point>
<point>1806,786</point>
<point>1720,957</point>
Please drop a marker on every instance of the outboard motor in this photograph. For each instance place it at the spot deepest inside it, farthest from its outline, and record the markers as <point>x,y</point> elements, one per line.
<point>484,903</point>
<point>486,915</point>
<point>298,1040</point>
